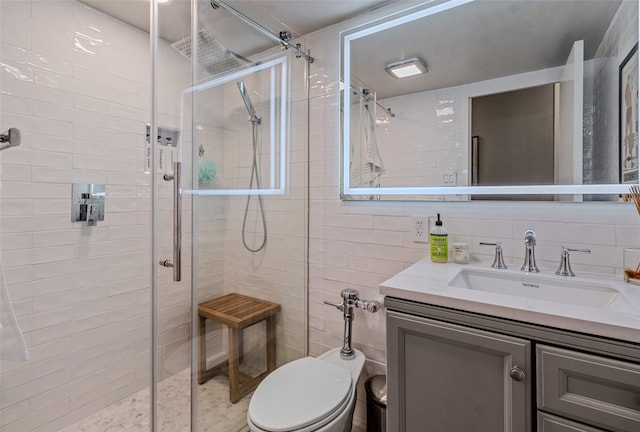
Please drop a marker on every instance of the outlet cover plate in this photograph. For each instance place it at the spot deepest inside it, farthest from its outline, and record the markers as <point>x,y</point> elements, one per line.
<point>420,229</point>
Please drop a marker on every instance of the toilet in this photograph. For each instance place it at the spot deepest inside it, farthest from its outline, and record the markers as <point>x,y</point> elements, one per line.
<point>309,394</point>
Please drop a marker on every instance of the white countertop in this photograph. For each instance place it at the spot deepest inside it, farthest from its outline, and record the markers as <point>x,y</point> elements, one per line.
<point>428,282</point>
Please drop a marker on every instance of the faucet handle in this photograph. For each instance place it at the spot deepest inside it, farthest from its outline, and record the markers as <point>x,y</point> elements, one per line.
<point>565,266</point>
<point>498,259</point>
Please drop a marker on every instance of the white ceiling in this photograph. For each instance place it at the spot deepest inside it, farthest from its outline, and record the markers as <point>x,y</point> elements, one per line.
<point>300,17</point>
<point>482,40</point>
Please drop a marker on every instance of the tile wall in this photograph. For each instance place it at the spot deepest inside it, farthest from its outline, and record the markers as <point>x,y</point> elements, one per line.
<point>77,84</point>
<point>361,244</point>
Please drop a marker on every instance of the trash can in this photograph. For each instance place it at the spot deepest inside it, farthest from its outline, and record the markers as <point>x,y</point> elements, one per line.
<point>376,389</point>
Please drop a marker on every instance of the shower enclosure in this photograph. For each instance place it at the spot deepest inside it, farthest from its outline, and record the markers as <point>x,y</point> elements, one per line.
<point>110,333</point>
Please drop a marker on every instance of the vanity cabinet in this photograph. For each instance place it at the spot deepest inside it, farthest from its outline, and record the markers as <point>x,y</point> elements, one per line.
<point>457,371</point>
<point>447,377</point>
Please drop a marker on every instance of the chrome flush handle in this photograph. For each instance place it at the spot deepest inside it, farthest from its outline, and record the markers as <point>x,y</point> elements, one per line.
<point>350,301</point>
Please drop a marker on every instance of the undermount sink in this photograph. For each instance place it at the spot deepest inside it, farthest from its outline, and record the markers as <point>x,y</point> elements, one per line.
<point>577,292</point>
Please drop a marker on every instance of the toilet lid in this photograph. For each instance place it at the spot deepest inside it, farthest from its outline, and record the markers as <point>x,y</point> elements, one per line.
<point>299,394</point>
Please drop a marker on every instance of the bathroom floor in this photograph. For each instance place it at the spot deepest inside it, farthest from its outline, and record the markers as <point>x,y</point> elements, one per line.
<point>215,412</point>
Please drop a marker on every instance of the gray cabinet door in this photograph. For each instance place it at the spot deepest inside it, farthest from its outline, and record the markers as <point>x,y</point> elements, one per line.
<point>448,378</point>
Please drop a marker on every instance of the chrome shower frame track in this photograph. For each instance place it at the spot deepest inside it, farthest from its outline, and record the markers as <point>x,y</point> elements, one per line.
<point>282,38</point>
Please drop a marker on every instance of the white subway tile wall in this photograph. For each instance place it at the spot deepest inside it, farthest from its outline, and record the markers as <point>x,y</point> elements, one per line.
<point>76,83</point>
<point>361,244</point>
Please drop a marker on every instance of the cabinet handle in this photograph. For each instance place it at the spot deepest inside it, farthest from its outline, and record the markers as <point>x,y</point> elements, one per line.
<point>517,374</point>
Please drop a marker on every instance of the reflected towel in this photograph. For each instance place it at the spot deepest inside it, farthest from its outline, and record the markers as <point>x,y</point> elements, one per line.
<point>366,164</point>
<point>13,347</point>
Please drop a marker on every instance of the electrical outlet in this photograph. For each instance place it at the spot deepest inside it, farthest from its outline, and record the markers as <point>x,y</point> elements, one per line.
<point>420,230</point>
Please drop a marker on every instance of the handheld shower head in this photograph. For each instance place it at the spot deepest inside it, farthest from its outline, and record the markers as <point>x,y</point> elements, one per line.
<point>247,102</point>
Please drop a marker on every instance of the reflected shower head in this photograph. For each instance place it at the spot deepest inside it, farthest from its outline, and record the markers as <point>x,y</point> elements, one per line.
<point>247,102</point>
<point>213,57</point>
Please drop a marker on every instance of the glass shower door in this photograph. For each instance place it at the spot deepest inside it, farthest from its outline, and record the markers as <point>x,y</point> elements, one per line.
<point>75,275</point>
<point>249,205</point>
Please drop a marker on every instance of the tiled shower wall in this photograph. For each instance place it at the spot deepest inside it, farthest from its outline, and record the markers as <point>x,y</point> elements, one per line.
<point>361,244</point>
<point>77,84</point>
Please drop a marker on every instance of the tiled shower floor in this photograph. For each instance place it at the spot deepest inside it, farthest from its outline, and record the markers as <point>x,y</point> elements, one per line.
<point>215,412</point>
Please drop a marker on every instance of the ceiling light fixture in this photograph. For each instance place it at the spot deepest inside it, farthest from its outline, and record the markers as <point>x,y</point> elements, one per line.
<point>406,68</point>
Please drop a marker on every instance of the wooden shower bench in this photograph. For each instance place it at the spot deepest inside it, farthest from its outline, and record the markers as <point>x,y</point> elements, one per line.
<point>237,312</point>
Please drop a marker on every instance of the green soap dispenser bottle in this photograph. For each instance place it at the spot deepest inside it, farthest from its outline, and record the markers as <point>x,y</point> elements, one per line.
<point>439,243</point>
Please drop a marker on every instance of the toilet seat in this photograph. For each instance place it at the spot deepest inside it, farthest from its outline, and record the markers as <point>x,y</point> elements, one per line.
<point>302,395</point>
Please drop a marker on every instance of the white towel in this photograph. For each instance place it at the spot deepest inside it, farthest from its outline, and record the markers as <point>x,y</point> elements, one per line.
<point>13,347</point>
<point>366,165</point>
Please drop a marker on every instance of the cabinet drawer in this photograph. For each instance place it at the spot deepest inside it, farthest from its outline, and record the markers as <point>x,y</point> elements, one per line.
<point>588,388</point>
<point>551,423</point>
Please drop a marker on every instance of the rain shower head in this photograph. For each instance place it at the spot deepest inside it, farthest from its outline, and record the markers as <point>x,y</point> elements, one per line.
<point>213,57</point>
<point>247,102</point>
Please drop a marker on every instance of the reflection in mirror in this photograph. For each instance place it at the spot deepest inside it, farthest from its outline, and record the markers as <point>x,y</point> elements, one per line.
<point>513,136</point>
<point>579,50</point>
<point>366,164</point>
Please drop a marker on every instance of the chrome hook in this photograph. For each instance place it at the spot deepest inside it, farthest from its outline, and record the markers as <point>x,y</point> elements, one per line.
<point>12,138</point>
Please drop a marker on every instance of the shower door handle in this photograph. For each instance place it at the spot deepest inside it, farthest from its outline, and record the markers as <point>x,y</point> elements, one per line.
<point>177,222</point>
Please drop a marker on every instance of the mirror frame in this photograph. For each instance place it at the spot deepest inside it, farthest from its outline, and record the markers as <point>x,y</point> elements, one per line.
<point>351,193</point>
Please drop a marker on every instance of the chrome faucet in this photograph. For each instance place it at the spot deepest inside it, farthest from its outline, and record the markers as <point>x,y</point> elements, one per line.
<point>350,301</point>
<point>529,265</point>
<point>565,266</point>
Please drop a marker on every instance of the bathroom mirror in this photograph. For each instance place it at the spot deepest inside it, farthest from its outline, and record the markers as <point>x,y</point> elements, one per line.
<point>419,138</point>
